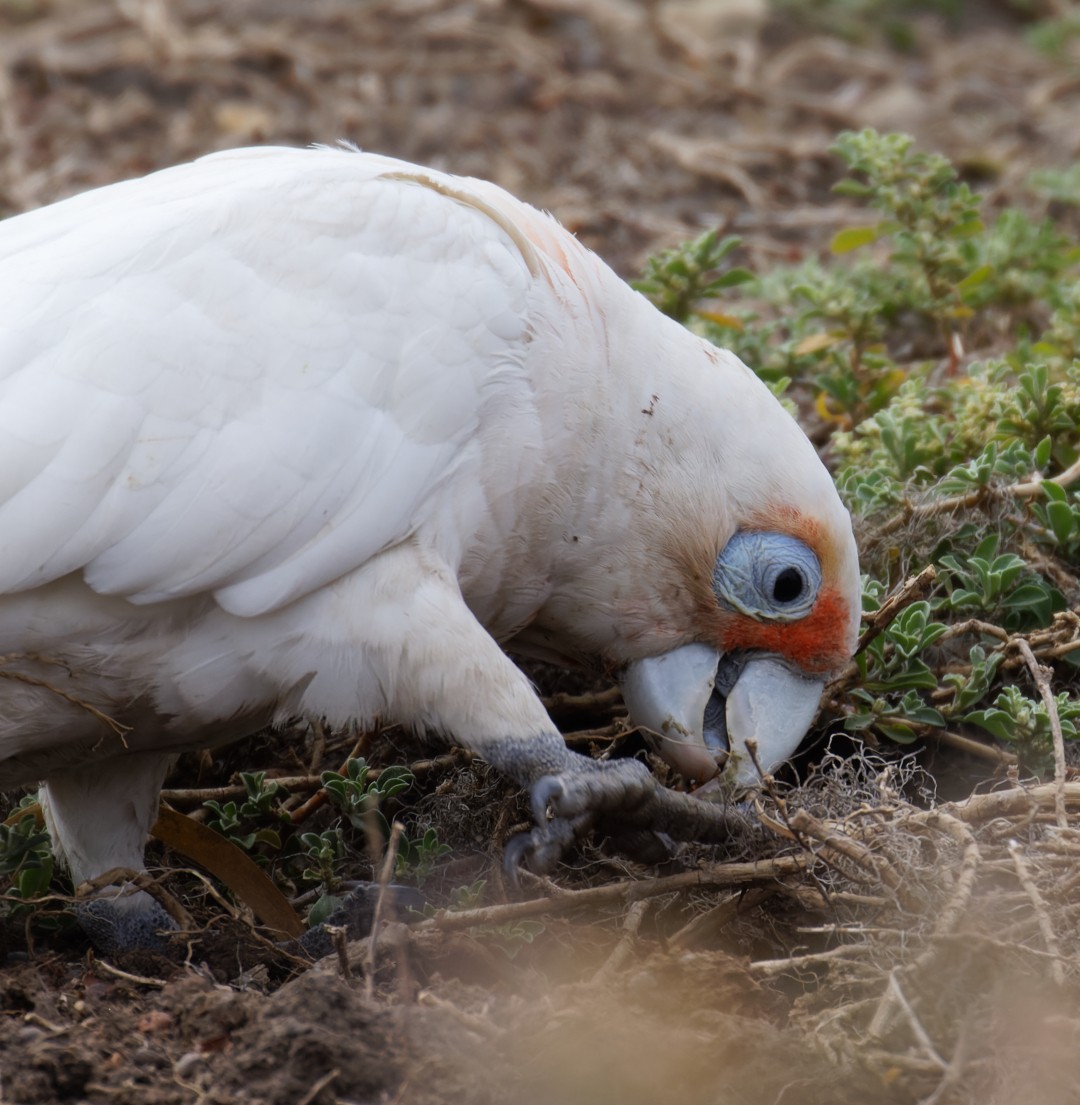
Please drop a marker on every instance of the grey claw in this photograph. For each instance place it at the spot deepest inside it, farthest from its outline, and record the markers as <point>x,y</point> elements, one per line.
<point>548,793</point>
<point>542,848</point>
<point>515,855</point>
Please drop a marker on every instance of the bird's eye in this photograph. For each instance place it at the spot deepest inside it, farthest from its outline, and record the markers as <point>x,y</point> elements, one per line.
<point>767,575</point>
<point>788,585</point>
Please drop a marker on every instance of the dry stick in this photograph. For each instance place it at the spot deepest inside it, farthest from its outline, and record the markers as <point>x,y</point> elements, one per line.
<point>803,822</point>
<point>189,795</point>
<point>319,797</point>
<point>1042,681</point>
<point>142,881</point>
<point>384,880</point>
<point>972,498</point>
<point>950,916</point>
<point>771,967</point>
<point>1045,927</point>
<point>1004,803</point>
<point>127,976</point>
<point>625,947</point>
<point>339,938</point>
<point>318,1087</point>
<point>1062,479</point>
<point>581,736</point>
<point>954,1069</point>
<point>197,795</point>
<point>966,745</point>
<point>887,1060</point>
<point>584,703</point>
<point>920,1033</point>
<point>720,916</point>
<point>912,590</point>
<point>786,830</point>
<point>975,625</point>
<point>474,1022</point>
<point>723,874</point>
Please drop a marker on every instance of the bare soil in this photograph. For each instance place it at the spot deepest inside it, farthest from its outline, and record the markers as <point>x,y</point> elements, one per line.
<point>899,956</point>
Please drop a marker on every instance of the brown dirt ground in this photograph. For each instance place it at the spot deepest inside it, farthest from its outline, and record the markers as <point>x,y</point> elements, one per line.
<point>637,125</point>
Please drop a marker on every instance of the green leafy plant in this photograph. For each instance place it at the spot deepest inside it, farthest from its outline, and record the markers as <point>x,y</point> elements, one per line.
<point>261,801</point>
<point>1019,720</point>
<point>26,858</point>
<point>416,858</point>
<point>678,279</point>
<point>359,791</point>
<point>323,852</point>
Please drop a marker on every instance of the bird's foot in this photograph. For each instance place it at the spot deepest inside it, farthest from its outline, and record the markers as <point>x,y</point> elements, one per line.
<point>118,925</point>
<point>356,915</point>
<point>624,800</point>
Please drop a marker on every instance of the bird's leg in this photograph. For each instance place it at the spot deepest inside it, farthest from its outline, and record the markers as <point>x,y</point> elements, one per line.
<point>99,815</point>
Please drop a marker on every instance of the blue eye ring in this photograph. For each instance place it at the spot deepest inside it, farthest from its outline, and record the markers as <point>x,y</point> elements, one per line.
<point>768,576</point>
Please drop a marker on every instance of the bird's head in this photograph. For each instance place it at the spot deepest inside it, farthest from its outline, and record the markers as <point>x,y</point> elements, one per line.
<point>762,578</point>
<point>704,548</point>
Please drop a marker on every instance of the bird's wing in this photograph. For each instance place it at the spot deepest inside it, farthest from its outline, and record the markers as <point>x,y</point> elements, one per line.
<point>247,375</point>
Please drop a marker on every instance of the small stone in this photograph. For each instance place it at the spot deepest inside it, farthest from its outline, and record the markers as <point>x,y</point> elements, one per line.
<point>188,1064</point>
<point>148,1057</point>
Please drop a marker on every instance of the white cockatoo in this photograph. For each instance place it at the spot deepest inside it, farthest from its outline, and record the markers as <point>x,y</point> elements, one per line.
<point>317,432</point>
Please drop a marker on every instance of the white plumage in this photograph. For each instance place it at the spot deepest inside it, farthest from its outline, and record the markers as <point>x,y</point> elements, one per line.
<point>307,432</point>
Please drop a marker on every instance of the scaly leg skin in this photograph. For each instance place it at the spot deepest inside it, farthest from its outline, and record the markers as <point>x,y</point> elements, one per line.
<point>98,816</point>
<point>571,793</point>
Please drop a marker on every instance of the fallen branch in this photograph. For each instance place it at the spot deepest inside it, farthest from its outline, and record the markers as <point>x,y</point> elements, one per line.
<point>620,893</point>
<point>980,808</point>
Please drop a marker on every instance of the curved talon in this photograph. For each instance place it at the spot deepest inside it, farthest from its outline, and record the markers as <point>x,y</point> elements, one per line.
<point>542,848</point>
<point>548,797</point>
<point>627,802</point>
<point>614,788</point>
<point>514,856</point>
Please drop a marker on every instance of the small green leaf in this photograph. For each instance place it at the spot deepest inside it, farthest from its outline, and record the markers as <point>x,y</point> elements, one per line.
<point>901,734</point>
<point>1061,519</point>
<point>852,188</point>
<point>852,237</point>
<point>1054,491</point>
<point>968,229</point>
<point>975,278</point>
<point>732,277</point>
<point>997,722</point>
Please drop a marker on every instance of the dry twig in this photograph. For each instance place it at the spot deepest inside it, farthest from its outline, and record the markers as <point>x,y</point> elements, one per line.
<point>380,905</point>
<point>1042,682</point>
<point>1046,927</point>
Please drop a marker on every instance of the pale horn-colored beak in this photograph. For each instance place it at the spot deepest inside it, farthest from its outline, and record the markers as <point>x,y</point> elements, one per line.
<point>698,708</point>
